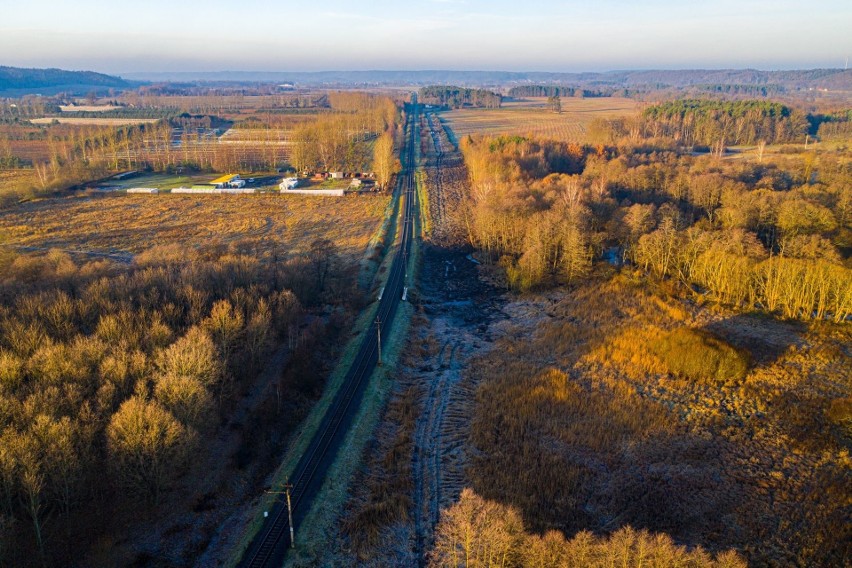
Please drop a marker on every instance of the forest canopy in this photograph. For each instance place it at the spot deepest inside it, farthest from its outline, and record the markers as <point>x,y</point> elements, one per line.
<point>459,97</point>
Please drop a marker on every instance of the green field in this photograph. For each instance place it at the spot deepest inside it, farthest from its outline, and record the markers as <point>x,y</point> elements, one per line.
<point>159,181</point>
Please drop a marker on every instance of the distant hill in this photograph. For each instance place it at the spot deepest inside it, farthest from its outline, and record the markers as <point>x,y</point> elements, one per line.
<point>833,79</point>
<point>15,81</point>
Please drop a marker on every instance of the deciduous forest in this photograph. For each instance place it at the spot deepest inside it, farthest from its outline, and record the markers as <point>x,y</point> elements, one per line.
<point>678,330</point>
<point>459,97</point>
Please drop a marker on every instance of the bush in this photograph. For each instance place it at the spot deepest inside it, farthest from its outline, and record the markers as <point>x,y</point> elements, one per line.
<point>840,412</point>
<point>699,355</point>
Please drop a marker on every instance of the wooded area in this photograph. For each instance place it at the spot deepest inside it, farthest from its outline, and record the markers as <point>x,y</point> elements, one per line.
<point>476,532</point>
<point>112,376</point>
<point>596,394</point>
<point>762,235</point>
<point>565,91</point>
<point>459,97</point>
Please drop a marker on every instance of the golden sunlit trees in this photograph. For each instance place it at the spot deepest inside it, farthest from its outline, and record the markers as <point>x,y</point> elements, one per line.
<point>385,163</point>
<point>478,533</point>
<point>536,224</point>
<point>193,355</point>
<point>186,398</point>
<point>147,444</point>
<point>108,372</point>
<point>658,251</point>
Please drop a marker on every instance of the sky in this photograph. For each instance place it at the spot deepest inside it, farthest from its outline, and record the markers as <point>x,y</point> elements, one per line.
<point>121,36</point>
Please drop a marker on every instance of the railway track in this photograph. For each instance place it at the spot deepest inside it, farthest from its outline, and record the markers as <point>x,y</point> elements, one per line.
<point>438,193</point>
<point>272,541</point>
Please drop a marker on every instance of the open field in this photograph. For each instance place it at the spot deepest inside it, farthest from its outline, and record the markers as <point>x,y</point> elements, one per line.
<point>12,177</point>
<point>531,117</point>
<point>87,108</point>
<point>94,121</point>
<point>159,181</point>
<point>131,224</point>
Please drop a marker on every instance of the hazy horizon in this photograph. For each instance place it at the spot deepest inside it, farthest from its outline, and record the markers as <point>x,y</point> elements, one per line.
<point>462,35</point>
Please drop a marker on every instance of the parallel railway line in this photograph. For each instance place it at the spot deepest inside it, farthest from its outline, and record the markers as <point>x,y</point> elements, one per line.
<point>271,542</point>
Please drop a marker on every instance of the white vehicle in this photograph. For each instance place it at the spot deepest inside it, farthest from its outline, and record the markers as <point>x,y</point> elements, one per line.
<point>288,183</point>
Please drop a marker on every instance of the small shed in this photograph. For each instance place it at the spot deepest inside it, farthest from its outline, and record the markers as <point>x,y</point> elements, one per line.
<point>337,175</point>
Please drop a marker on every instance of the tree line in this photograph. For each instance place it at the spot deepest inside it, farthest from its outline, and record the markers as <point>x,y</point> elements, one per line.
<point>694,122</point>
<point>459,97</point>
<point>564,91</point>
<point>745,90</point>
<point>479,533</point>
<point>832,125</point>
<point>346,140</point>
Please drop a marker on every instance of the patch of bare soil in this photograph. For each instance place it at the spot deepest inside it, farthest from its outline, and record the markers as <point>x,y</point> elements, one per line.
<point>446,176</point>
<point>420,454</point>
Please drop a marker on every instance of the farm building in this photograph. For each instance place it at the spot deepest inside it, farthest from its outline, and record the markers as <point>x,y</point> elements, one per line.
<point>336,175</point>
<point>228,180</point>
<point>143,190</point>
<point>288,183</point>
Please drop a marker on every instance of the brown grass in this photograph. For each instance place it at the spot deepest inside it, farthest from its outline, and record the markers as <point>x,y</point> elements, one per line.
<point>683,352</point>
<point>531,117</point>
<point>584,422</point>
<point>385,496</point>
<point>112,223</point>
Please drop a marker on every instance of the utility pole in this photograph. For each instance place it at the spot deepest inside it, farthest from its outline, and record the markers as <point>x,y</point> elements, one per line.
<point>379,337</point>
<point>288,487</point>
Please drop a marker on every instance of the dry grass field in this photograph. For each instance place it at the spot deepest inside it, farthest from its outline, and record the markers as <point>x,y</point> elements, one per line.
<point>13,177</point>
<point>87,108</point>
<point>600,428</point>
<point>94,121</point>
<point>531,117</point>
<point>131,224</point>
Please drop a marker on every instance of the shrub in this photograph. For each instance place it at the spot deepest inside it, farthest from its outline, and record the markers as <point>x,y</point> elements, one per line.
<point>699,355</point>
